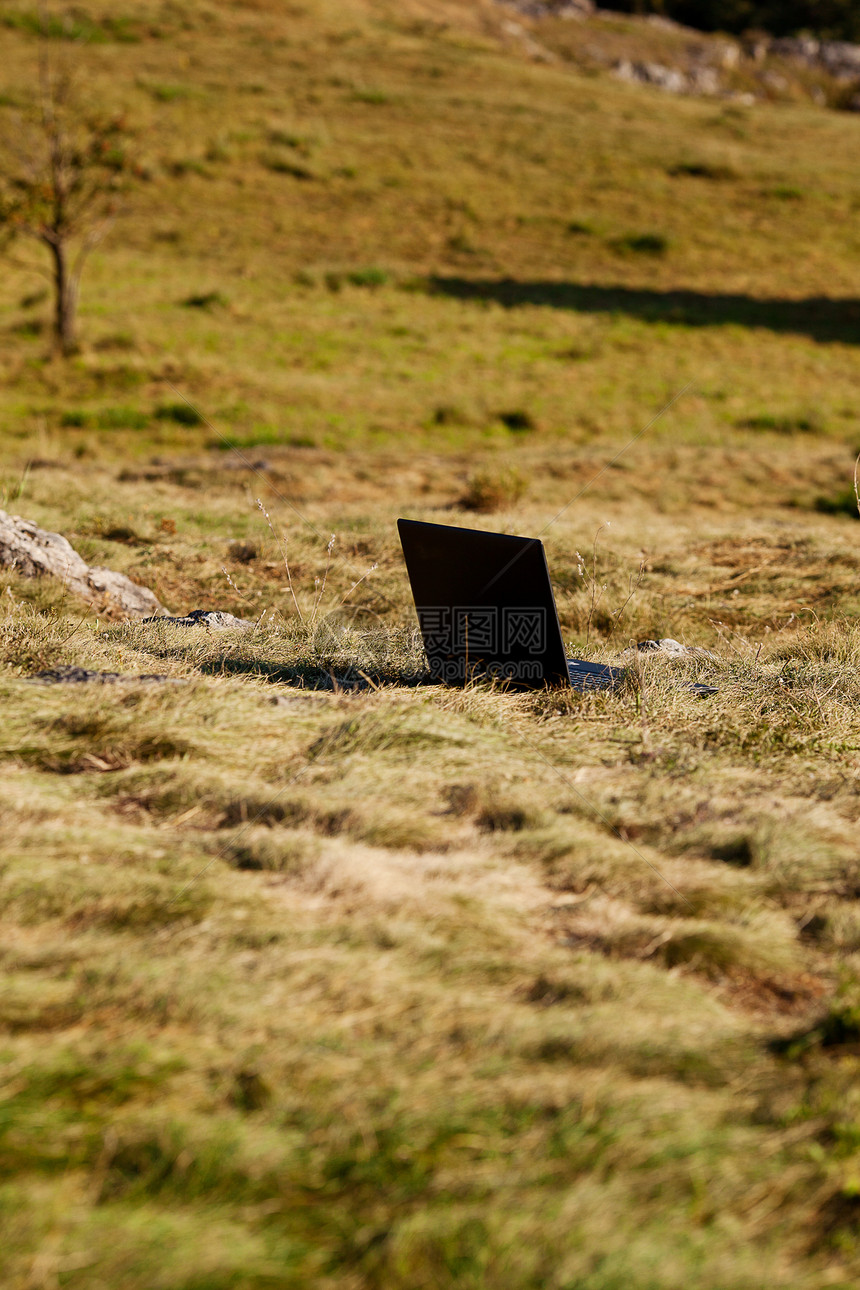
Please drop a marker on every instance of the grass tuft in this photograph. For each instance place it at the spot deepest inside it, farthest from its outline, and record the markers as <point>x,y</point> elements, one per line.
<point>494,490</point>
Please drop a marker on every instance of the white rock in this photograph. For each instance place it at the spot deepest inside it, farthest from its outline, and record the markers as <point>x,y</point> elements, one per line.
<point>728,56</point>
<point>36,553</point>
<point>775,82</point>
<point>33,551</point>
<point>840,59</point>
<point>803,48</point>
<point>665,78</point>
<point>116,590</point>
<point>668,648</point>
<point>705,80</point>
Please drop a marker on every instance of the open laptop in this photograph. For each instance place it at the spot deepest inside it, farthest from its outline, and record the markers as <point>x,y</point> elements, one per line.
<point>486,609</point>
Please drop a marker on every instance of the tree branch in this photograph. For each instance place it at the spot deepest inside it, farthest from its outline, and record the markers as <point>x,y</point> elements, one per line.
<point>91,241</point>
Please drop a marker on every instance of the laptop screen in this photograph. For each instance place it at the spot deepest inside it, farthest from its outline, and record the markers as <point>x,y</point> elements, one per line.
<point>484,604</point>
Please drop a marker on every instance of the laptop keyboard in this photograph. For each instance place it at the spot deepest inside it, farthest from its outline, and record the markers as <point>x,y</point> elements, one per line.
<point>597,676</point>
<point>593,676</point>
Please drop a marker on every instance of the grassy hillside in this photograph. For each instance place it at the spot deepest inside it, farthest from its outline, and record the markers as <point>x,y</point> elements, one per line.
<point>314,976</point>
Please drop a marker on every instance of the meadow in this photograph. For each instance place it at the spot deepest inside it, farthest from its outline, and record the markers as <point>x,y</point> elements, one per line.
<point>317,976</point>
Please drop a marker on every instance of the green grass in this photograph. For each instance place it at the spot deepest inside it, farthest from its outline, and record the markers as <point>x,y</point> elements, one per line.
<point>317,975</point>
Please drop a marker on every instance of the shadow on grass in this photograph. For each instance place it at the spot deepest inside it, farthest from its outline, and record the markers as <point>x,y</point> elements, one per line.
<point>823,318</point>
<point>306,675</point>
<point>314,676</point>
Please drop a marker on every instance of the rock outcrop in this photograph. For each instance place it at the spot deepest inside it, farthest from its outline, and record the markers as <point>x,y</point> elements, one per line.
<point>838,57</point>
<point>743,70</point>
<point>213,619</point>
<point>568,9</point>
<point>36,553</point>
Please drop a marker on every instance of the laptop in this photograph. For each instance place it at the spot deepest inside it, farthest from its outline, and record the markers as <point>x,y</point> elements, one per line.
<point>486,610</point>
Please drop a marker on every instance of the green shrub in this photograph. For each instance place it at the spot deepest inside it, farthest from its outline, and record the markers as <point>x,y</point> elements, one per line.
<point>844,503</point>
<point>70,26</point>
<point>118,340</point>
<point>518,420</point>
<point>181,166</point>
<point>370,277</point>
<point>365,277</point>
<point>120,419</point>
<point>182,413</point>
<point>374,97</point>
<point>808,423</point>
<point>448,414</point>
<point>285,138</point>
<point>785,193</point>
<point>163,93</point>
<point>206,300</point>
<point>703,170</point>
<point>282,164</point>
<point>642,243</point>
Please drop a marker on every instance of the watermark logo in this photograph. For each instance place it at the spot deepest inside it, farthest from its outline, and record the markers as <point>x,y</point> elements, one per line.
<point>481,630</point>
<point>499,643</point>
<point>459,671</point>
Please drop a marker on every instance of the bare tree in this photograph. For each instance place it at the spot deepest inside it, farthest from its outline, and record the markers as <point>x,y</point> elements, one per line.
<point>62,168</point>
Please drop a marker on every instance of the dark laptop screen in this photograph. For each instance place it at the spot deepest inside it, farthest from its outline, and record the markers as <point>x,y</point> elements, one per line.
<point>484,604</point>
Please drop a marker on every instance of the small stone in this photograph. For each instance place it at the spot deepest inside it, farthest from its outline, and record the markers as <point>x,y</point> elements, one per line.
<point>298,699</point>
<point>71,674</point>
<point>569,9</point>
<point>669,648</point>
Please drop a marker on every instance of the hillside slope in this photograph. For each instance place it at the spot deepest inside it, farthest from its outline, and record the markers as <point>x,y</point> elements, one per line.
<point>315,974</point>
<point>287,152</point>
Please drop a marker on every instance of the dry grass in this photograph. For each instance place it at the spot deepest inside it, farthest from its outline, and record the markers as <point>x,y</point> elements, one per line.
<point>426,945</point>
<point>315,974</point>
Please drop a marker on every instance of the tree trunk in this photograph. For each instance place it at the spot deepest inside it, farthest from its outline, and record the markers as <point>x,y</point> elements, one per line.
<point>65,300</point>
